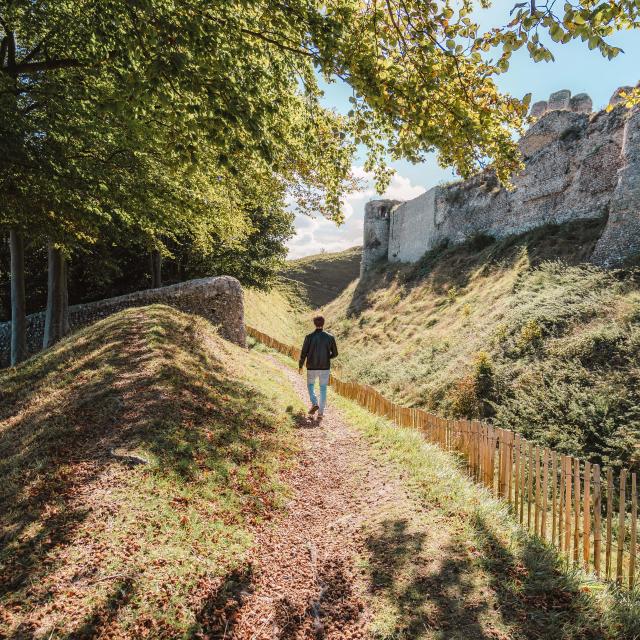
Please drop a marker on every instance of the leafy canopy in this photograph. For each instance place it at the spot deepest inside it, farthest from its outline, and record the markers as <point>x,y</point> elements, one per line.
<point>233,85</point>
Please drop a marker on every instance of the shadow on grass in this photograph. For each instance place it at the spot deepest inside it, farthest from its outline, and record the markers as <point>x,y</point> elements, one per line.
<point>98,623</point>
<point>534,594</point>
<point>142,379</point>
<point>453,266</point>
<point>427,597</point>
<point>305,421</point>
<point>217,618</point>
<point>444,595</point>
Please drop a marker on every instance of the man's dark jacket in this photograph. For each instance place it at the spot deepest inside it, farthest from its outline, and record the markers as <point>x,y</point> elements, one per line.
<point>318,349</point>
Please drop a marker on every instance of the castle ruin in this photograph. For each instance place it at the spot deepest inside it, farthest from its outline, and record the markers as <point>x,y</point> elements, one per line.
<point>578,165</point>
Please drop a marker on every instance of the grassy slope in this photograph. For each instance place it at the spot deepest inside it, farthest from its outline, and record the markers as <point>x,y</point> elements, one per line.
<point>520,330</point>
<point>324,276</point>
<point>278,312</point>
<point>461,568</point>
<point>284,312</point>
<point>96,544</point>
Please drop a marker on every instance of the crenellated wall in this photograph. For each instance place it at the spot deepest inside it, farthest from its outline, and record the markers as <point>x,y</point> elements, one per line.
<point>217,299</point>
<point>578,165</point>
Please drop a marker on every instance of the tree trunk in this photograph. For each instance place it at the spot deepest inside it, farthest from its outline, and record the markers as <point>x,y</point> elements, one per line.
<point>56,323</point>
<point>65,297</point>
<point>156,269</point>
<point>18,303</point>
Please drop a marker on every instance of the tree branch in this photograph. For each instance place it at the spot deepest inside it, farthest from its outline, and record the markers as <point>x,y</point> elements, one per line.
<point>29,108</point>
<point>281,45</point>
<point>36,50</point>
<point>27,68</point>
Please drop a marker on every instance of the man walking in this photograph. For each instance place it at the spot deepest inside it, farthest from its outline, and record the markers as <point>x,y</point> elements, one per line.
<point>318,350</point>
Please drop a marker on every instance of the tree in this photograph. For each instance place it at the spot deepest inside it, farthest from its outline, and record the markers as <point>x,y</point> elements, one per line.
<point>255,259</point>
<point>18,297</point>
<point>69,76</point>
<point>227,91</point>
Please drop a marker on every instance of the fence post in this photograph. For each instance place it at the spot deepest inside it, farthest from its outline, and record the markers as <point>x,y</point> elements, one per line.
<point>597,519</point>
<point>554,495</point>
<point>576,510</point>
<point>538,492</point>
<point>609,522</point>
<point>634,532</point>
<point>586,516</point>
<point>567,504</point>
<point>545,493</point>
<point>622,509</point>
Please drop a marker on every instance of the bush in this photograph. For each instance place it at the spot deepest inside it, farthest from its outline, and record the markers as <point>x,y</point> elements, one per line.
<point>577,411</point>
<point>470,396</point>
<point>530,335</point>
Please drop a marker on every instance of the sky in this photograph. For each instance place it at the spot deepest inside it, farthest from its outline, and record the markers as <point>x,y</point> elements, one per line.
<point>575,68</point>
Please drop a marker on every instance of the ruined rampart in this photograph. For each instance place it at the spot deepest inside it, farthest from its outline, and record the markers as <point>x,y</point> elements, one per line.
<point>217,299</point>
<point>578,165</point>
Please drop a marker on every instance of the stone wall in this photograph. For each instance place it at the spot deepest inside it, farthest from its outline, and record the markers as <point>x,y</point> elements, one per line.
<point>578,165</point>
<point>621,236</point>
<point>217,299</point>
<point>376,232</point>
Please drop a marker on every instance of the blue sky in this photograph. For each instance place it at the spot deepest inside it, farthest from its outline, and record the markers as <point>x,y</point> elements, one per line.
<point>575,68</point>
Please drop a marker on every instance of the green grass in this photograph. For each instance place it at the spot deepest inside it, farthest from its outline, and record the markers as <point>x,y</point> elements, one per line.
<point>136,456</point>
<point>459,566</point>
<point>323,277</point>
<point>278,312</point>
<point>520,331</point>
<point>285,311</point>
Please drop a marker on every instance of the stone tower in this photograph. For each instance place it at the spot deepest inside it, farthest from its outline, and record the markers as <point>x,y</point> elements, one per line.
<point>375,244</point>
<point>578,165</point>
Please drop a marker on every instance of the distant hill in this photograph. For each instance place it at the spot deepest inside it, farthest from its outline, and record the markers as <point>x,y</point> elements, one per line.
<point>324,276</point>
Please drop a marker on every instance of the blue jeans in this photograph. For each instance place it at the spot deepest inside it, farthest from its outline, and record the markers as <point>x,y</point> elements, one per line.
<point>323,378</point>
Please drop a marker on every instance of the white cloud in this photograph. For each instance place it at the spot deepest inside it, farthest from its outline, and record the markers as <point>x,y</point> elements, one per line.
<point>316,234</point>
<point>402,189</point>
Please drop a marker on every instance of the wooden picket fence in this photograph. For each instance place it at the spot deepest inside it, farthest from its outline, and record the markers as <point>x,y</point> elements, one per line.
<point>589,514</point>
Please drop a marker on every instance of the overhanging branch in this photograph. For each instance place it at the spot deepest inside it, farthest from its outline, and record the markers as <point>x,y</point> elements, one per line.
<point>28,68</point>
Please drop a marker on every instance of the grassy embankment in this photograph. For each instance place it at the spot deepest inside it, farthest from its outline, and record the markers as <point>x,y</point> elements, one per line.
<point>305,284</point>
<point>459,567</point>
<point>135,456</point>
<point>521,331</point>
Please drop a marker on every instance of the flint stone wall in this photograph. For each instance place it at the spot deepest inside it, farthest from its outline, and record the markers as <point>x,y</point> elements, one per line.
<point>376,232</point>
<point>219,300</point>
<point>578,165</point>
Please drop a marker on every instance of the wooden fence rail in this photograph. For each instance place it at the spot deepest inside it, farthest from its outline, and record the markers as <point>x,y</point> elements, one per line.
<point>558,497</point>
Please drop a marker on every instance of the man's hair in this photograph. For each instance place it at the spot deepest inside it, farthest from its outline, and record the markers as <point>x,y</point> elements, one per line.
<point>318,321</point>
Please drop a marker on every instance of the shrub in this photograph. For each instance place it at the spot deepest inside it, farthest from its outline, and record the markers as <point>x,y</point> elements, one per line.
<point>575,410</point>
<point>462,399</point>
<point>469,397</point>
<point>530,335</point>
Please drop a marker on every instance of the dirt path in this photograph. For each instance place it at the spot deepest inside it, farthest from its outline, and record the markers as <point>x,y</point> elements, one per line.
<point>307,582</point>
<point>357,553</point>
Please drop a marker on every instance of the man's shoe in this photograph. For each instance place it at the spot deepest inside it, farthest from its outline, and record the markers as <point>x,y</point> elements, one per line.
<point>320,416</point>
<point>313,409</point>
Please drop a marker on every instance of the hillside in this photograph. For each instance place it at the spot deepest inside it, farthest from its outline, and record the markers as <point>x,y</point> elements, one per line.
<point>324,276</point>
<point>521,331</point>
<point>136,456</point>
<point>160,482</point>
<point>305,284</point>
<point>279,312</point>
